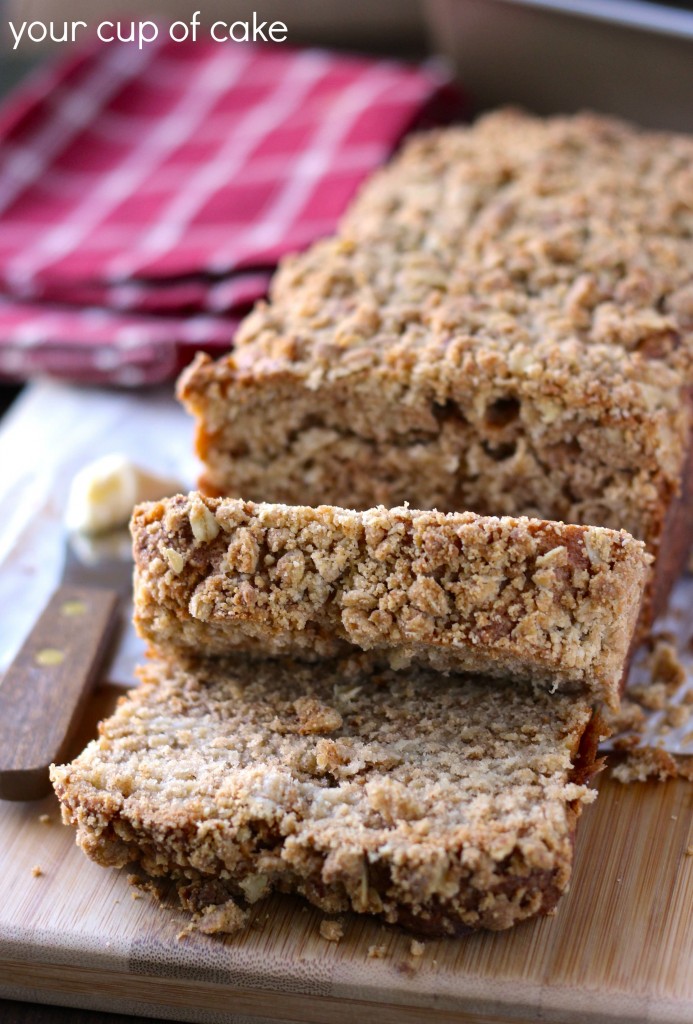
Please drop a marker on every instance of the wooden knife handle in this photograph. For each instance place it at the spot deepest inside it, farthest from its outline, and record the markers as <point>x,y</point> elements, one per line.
<point>44,690</point>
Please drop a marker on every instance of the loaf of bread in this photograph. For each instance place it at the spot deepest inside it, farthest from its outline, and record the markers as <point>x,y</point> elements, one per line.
<point>502,324</point>
<point>513,598</point>
<point>437,803</point>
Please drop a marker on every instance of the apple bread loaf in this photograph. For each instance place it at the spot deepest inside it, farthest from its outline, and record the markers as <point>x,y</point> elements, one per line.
<point>513,598</point>
<point>503,323</point>
<point>438,804</point>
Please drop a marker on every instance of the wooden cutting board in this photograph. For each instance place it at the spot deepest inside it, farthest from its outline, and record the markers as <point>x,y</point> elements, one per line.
<point>620,948</point>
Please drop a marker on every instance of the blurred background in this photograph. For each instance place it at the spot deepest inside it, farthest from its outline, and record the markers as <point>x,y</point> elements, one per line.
<point>627,57</point>
<point>630,57</point>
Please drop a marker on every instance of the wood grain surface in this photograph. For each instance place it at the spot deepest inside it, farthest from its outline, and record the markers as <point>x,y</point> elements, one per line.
<point>619,949</point>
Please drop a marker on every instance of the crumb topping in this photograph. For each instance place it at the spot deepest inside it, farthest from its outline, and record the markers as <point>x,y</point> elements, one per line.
<point>507,240</point>
<point>332,931</point>
<point>511,597</point>
<point>503,323</point>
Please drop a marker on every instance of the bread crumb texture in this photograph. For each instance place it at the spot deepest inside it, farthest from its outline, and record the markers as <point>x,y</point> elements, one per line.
<point>437,802</point>
<point>654,713</point>
<point>332,931</point>
<point>509,597</point>
<point>643,763</point>
<point>380,952</point>
<point>502,324</point>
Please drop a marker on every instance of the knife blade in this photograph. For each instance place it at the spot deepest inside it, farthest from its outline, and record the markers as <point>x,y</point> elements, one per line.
<point>43,692</point>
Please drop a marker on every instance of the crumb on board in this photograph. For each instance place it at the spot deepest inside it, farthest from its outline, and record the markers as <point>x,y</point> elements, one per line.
<point>45,819</point>
<point>223,919</point>
<point>147,886</point>
<point>630,717</point>
<point>623,743</point>
<point>665,666</point>
<point>141,887</point>
<point>417,948</point>
<point>689,851</point>
<point>377,952</point>
<point>652,696</point>
<point>408,968</point>
<point>332,931</point>
<point>678,715</point>
<point>217,919</point>
<point>37,871</point>
<point>640,740</point>
<point>652,763</point>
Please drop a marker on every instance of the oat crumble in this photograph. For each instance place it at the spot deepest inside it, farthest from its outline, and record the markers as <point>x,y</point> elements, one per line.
<point>515,598</point>
<point>503,323</point>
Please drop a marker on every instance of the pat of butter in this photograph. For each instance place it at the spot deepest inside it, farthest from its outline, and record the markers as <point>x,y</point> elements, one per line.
<point>104,493</point>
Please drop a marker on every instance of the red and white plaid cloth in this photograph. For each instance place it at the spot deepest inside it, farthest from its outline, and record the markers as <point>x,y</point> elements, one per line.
<point>147,195</point>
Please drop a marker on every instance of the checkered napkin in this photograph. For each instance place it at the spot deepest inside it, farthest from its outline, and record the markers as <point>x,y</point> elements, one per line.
<point>147,195</point>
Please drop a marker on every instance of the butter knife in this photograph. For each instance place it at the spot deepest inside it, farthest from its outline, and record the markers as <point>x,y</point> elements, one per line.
<point>44,691</point>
